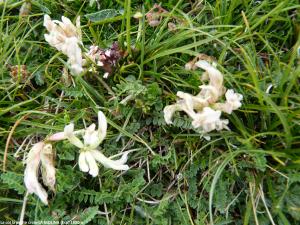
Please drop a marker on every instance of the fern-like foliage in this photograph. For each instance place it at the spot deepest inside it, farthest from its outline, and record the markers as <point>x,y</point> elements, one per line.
<point>14,181</point>
<point>88,215</point>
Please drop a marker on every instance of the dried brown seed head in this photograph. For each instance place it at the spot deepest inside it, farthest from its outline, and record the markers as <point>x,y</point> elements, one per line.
<point>19,73</point>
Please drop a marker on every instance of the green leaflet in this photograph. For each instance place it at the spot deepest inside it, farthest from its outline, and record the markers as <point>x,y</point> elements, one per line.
<point>88,214</point>
<point>103,15</point>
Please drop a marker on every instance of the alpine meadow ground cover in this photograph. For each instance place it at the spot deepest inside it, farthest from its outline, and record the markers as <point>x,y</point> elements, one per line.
<point>105,115</point>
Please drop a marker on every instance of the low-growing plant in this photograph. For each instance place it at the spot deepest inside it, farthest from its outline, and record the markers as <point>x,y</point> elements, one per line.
<point>122,63</point>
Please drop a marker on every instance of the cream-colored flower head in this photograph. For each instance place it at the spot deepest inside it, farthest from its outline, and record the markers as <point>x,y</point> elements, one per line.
<point>233,102</point>
<point>89,154</point>
<point>40,154</point>
<point>209,120</point>
<point>203,109</point>
<point>66,37</point>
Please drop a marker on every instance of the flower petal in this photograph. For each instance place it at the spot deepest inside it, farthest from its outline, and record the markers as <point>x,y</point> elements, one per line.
<point>57,137</point>
<point>234,99</point>
<point>48,23</point>
<point>76,69</point>
<point>106,162</point>
<point>224,107</point>
<point>34,153</point>
<point>31,173</point>
<point>102,126</point>
<point>77,23</point>
<point>68,26</point>
<point>123,159</point>
<point>83,166</point>
<point>233,102</point>
<point>169,110</point>
<point>94,170</point>
<point>48,169</point>
<point>187,103</point>
<point>90,136</point>
<point>69,134</point>
<point>209,92</point>
<point>208,119</point>
<point>215,76</point>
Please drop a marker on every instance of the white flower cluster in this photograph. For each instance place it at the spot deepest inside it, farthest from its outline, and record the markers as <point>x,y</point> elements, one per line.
<point>203,108</point>
<point>42,154</point>
<point>66,37</point>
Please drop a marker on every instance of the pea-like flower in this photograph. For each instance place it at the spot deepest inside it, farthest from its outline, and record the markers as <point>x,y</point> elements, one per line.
<point>40,155</point>
<point>209,120</point>
<point>187,103</point>
<point>66,37</point>
<point>89,154</point>
<point>233,102</point>
<point>214,90</point>
<point>204,108</point>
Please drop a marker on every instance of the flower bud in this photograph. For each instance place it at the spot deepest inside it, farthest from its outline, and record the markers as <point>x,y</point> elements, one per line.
<point>25,9</point>
<point>138,15</point>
